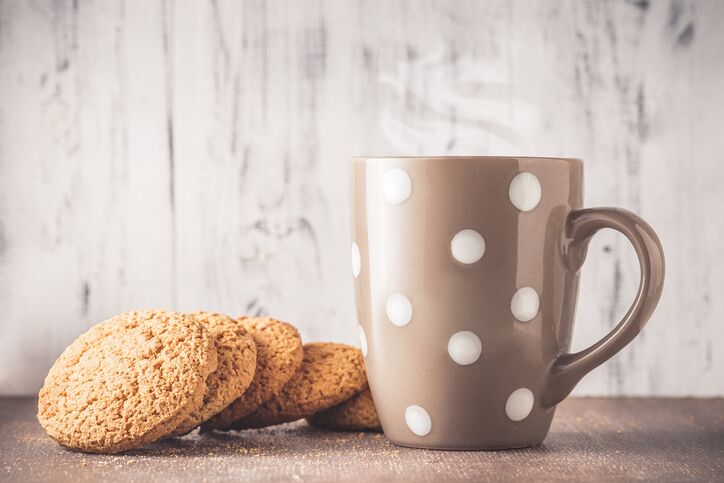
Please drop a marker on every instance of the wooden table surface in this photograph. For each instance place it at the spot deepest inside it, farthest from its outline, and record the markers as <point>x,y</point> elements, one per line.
<point>591,439</point>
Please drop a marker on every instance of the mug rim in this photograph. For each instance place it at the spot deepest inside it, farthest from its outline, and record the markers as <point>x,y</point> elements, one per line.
<point>457,158</point>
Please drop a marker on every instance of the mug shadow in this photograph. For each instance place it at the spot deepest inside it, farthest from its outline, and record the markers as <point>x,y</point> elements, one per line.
<point>656,444</point>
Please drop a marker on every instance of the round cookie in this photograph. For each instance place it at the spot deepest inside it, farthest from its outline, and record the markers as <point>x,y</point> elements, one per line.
<point>329,375</point>
<point>127,382</point>
<point>278,357</point>
<point>237,363</point>
<point>355,414</point>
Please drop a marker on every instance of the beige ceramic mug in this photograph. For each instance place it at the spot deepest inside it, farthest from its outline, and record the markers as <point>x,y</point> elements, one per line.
<point>466,275</point>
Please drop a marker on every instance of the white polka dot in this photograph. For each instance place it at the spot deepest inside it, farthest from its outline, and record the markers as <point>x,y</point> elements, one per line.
<point>519,404</point>
<point>362,340</point>
<point>356,260</point>
<point>468,246</point>
<point>525,191</point>
<point>418,420</point>
<point>399,309</point>
<point>524,304</point>
<point>396,186</point>
<point>464,347</point>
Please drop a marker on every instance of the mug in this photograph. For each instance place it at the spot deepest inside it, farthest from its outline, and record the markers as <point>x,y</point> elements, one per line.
<point>466,272</point>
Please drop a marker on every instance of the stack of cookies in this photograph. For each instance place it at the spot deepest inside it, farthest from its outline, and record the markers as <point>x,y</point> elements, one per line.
<point>153,374</point>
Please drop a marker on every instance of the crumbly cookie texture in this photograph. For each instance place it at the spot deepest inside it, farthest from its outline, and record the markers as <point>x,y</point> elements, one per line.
<point>355,414</point>
<point>330,374</point>
<point>236,352</point>
<point>279,355</point>
<point>127,382</point>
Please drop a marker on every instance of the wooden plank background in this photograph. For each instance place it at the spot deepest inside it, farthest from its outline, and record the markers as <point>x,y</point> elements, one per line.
<point>193,154</point>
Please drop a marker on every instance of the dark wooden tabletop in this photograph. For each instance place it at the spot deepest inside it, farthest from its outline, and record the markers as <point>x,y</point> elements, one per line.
<point>591,439</point>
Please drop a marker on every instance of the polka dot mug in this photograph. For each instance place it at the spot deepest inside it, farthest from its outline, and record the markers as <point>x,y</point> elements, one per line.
<point>466,272</point>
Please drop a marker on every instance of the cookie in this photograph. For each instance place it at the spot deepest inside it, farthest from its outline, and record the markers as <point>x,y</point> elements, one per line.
<point>236,352</point>
<point>127,382</point>
<point>278,357</point>
<point>355,414</point>
<point>329,375</point>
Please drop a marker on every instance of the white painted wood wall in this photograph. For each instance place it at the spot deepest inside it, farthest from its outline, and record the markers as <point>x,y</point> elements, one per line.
<point>194,154</point>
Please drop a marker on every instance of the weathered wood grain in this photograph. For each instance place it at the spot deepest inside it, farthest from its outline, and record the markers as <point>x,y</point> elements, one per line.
<point>590,440</point>
<point>194,155</point>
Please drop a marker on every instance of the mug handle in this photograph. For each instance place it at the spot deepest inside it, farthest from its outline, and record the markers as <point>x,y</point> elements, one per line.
<point>567,369</point>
